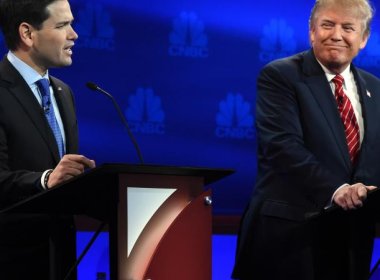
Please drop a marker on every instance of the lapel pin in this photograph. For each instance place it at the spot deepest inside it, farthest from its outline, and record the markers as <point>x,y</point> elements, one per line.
<point>368,94</point>
<point>59,88</point>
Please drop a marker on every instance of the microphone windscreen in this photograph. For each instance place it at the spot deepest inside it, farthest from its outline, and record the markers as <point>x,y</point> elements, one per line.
<point>92,86</point>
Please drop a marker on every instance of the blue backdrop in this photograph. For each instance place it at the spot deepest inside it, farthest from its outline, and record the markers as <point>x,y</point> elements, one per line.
<point>184,74</point>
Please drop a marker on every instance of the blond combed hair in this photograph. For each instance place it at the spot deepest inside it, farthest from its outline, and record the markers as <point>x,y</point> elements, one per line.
<point>362,8</point>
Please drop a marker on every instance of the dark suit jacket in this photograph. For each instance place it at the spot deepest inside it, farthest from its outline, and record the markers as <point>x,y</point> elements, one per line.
<point>302,159</point>
<point>27,148</point>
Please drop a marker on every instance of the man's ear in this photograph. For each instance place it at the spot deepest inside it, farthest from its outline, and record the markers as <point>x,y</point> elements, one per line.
<point>25,32</point>
<point>364,41</point>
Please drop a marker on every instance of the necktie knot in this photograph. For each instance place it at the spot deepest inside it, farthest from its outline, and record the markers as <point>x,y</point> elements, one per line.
<point>43,85</point>
<point>338,80</point>
<point>339,93</point>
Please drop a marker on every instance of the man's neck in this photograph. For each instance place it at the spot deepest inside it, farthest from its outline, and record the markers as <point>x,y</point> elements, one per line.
<point>27,59</point>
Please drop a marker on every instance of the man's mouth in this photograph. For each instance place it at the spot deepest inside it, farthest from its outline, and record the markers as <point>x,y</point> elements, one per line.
<point>68,49</point>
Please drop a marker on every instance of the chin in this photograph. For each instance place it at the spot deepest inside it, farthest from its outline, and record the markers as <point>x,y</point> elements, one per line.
<point>334,64</point>
<point>66,63</point>
<point>334,60</point>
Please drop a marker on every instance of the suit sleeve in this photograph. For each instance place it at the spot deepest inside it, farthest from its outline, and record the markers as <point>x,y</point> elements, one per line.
<point>15,185</point>
<point>281,139</point>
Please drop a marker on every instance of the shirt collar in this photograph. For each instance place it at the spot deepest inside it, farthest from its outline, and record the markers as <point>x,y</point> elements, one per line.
<point>346,73</point>
<point>28,73</point>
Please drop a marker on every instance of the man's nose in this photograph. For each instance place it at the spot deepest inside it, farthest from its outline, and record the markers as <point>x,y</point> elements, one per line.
<point>337,33</point>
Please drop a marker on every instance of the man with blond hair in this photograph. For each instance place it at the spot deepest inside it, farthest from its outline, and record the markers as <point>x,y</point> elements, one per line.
<point>318,134</point>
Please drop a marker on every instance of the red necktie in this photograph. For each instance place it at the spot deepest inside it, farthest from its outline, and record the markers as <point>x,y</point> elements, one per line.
<point>347,114</point>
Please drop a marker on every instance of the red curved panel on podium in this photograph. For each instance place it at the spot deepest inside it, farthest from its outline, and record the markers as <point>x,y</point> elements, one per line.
<point>184,252</point>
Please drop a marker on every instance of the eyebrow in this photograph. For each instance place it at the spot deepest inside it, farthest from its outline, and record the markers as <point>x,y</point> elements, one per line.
<point>327,21</point>
<point>332,22</point>
<point>64,22</point>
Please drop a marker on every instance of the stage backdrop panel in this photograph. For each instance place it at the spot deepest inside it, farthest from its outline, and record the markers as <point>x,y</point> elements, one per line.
<point>184,74</point>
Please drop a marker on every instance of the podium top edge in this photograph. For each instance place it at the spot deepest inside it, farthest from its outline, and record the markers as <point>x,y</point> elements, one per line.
<point>210,174</point>
<point>46,201</point>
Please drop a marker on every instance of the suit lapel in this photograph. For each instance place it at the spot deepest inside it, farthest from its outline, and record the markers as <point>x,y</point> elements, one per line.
<point>369,110</point>
<point>30,105</point>
<point>67,112</point>
<point>315,79</point>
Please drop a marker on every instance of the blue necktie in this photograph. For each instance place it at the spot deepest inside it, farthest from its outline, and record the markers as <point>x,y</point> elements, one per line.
<point>43,86</point>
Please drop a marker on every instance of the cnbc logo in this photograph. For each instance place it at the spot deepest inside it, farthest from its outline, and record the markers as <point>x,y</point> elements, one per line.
<point>94,28</point>
<point>234,119</point>
<point>188,38</point>
<point>144,113</point>
<point>277,41</point>
<point>370,55</point>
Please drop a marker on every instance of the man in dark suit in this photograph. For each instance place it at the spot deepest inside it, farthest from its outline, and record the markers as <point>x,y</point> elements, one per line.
<point>318,144</point>
<point>33,159</point>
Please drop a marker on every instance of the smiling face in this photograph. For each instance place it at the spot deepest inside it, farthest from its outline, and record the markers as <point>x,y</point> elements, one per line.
<point>337,34</point>
<point>50,46</point>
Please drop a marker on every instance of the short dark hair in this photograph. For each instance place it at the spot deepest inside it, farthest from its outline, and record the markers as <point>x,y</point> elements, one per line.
<point>14,12</point>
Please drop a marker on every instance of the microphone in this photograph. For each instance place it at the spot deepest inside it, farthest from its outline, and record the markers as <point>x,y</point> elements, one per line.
<point>46,108</point>
<point>94,87</point>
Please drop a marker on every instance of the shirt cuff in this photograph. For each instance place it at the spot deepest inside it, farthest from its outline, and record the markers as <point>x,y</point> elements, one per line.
<point>43,177</point>
<point>332,198</point>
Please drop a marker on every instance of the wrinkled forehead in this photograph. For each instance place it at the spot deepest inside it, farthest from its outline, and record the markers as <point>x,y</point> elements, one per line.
<point>340,9</point>
<point>345,13</point>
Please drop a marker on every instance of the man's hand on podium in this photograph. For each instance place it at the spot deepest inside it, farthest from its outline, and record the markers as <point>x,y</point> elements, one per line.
<point>70,166</point>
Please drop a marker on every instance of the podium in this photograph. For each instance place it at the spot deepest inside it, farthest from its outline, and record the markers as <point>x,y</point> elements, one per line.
<point>333,211</point>
<point>356,227</point>
<point>159,217</point>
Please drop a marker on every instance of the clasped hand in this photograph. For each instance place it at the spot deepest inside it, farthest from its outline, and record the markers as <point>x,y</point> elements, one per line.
<point>352,196</point>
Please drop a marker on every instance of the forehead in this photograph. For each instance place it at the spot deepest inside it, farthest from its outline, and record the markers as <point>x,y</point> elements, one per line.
<point>338,14</point>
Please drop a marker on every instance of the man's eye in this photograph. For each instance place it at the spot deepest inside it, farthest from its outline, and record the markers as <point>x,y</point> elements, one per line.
<point>348,28</point>
<point>327,25</point>
<point>62,25</point>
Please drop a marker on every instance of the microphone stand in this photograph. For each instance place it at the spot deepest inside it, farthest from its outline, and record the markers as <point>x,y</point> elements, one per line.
<point>94,87</point>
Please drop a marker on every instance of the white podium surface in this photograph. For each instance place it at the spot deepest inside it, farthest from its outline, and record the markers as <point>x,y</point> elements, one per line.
<point>142,203</point>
